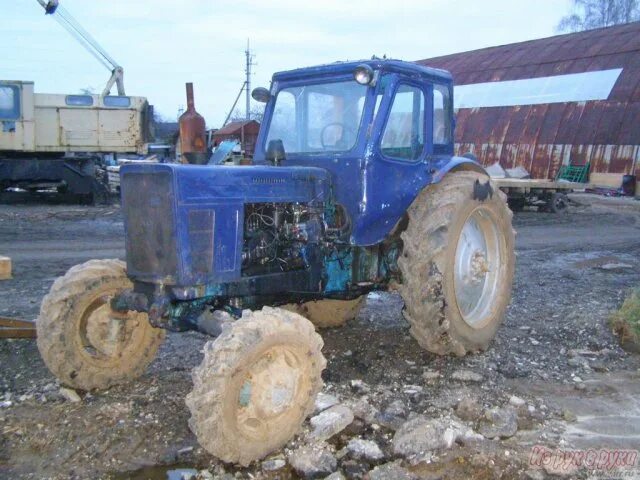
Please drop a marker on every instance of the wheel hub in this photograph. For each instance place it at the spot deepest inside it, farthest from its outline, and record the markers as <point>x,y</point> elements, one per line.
<point>106,333</point>
<point>477,265</point>
<point>269,390</point>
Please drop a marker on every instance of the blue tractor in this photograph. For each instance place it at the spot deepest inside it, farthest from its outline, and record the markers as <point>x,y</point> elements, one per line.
<point>354,188</point>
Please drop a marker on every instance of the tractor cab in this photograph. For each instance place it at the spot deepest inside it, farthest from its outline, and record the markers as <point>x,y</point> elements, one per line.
<point>382,128</point>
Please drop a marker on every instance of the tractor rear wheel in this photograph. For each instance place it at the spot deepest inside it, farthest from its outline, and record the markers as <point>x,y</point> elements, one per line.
<point>86,344</point>
<point>256,385</point>
<point>327,313</point>
<point>457,264</point>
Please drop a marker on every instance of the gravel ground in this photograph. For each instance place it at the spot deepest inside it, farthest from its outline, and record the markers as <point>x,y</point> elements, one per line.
<point>554,375</point>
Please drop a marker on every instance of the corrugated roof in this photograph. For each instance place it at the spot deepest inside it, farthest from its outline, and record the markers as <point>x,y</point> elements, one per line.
<point>234,127</point>
<point>542,137</point>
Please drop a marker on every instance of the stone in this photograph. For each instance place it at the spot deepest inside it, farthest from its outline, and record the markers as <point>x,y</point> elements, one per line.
<point>333,420</point>
<point>204,475</point>
<point>396,408</point>
<point>354,468</point>
<point>272,464</point>
<point>516,401</point>
<point>420,436</point>
<point>430,375</point>
<point>499,423</point>
<point>359,386</point>
<point>569,416</point>
<point>69,394</point>
<point>468,410</point>
<point>364,410</point>
<point>466,376</point>
<point>391,471</point>
<point>335,476</point>
<point>324,401</point>
<point>412,389</point>
<point>313,460</point>
<point>366,449</point>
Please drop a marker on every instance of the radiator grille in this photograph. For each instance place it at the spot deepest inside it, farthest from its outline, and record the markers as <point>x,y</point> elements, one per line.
<point>201,240</point>
<point>150,225</point>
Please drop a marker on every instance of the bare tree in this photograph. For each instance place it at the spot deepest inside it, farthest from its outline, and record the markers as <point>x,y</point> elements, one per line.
<point>589,14</point>
<point>256,113</point>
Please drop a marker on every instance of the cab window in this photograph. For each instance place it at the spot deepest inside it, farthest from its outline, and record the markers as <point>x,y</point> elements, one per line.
<point>441,115</point>
<point>403,136</point>
<point>9,102</point>
<point>318,118</point>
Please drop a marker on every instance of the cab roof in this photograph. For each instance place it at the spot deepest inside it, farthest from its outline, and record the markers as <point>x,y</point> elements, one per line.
<point>342,68</point>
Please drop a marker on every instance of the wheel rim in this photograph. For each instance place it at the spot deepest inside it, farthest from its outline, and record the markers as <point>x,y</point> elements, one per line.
<point>270,392</point>
<point>105,335</point>
<point>560,203</point>
<point>477,267</point>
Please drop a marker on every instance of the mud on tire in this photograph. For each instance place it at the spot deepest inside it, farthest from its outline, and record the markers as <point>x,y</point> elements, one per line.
<point>82,341</point>
<point>327,313</point>
<point>256,385</point>
<point>443,319</point>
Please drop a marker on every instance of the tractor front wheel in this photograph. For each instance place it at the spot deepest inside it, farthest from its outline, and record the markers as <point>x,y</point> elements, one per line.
<point>457,264</point>
<point>85,343</point>
<point>256,385</point>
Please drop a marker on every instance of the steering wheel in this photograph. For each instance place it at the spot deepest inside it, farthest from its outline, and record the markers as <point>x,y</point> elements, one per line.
<point>333,124</point>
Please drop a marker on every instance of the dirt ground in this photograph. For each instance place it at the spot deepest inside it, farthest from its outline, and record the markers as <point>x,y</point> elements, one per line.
<point>575,388</point>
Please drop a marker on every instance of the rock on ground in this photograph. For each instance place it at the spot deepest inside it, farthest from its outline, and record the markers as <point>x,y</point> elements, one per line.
<point>466,376</point>
<point>391,471</point>
<point>499,423</point>
<point>420,436</point>
<point>313,460</point>
<point>324,401</point>
<point>468,410</point>
<point>367,449</point>
<point>333,420</point>
<point>335,476</point>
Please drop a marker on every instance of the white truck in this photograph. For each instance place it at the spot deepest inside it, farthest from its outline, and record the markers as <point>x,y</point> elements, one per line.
<point>58,140</point>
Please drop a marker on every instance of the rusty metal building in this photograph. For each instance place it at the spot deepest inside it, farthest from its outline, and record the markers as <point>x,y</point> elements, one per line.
<point>569,99</point>
<point>246,132</point>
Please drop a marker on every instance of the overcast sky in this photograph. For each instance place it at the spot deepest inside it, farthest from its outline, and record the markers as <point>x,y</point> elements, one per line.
<point>162,44</point>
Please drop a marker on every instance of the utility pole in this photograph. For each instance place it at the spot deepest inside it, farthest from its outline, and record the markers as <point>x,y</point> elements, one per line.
<point>249,63</point>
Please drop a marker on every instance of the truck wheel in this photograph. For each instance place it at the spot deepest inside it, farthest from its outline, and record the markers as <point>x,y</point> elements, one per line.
<point>85,344</point>
<point>327,313</point>
<point>557,203</point>
<point>457,264</point>
<point>256,385</point>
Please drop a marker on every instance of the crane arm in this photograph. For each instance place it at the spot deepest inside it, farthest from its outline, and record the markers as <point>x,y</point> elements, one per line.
<point>66,20</point>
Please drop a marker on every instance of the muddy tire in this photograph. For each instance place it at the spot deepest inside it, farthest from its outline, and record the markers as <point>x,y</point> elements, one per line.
<point>457,264</point>
<point>256,385</point>
<point>327,313</point>
<point>83,342</point>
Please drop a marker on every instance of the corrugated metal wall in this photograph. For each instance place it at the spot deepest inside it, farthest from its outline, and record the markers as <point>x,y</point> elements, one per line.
<point>542,137</point>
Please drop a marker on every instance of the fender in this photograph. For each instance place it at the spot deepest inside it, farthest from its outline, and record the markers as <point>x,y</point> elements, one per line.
<point>380,218</point>
<point>466,163</point>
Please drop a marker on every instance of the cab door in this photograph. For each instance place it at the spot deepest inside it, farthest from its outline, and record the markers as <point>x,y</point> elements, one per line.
<point>401,148</point>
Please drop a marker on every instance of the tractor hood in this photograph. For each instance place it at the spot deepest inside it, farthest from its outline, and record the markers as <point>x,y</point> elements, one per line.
<point>184,223</point>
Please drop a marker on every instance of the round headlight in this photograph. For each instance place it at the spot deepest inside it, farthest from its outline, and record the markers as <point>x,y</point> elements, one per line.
<point>363,74</point>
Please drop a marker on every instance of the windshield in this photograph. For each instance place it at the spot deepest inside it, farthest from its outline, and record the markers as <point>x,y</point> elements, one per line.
<point>318,118</point>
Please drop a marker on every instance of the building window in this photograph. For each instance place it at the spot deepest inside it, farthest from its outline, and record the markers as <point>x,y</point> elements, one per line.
<point>116,101</point>
<point>403,136</point>
<point>79,100</point>
<point>9,102</point>
<point>574,87</point>
<point>441,115</point>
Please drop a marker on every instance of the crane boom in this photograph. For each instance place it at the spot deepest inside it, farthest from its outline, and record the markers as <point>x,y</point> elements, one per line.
<point>66,20</point>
